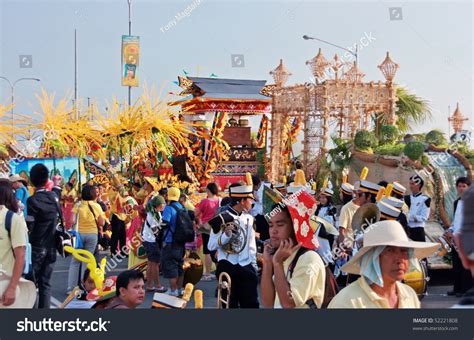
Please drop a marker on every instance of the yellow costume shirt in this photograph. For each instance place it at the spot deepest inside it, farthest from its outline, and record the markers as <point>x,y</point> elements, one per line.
<point>359,295</point>
<point>345,218</point>
<point>116,205</point>
<point>86,221</point>
<point>19,236</point>
<point>308,280</point>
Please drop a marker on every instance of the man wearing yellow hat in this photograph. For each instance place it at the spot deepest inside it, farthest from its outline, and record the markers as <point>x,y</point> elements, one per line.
<point>382,264</point>
<point>172,255</point>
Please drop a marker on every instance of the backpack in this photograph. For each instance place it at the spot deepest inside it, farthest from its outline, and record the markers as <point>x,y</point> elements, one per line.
<point>8,226</point>
<point>331,287</point>
<point>184,229</point>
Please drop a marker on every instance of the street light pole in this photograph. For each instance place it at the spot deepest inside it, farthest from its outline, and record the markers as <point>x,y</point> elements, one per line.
<point>129,33</point>
<point>355,54</point>
<point>12,89</point>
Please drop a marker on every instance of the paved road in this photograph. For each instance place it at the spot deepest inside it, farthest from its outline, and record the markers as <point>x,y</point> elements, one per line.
<point>436,298</point>
<point>59,285</point>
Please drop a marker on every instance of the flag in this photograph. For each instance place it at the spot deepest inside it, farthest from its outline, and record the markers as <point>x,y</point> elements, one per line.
<point>269,199</point>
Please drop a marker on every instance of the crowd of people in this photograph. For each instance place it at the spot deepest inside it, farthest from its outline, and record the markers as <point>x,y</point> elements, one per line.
<point>302,253</point>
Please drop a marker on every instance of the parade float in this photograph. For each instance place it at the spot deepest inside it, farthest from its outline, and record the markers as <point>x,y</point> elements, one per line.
<point>227,103</point>
<point>346,123</point>
<point>129,141</point>
<point>349,124</point>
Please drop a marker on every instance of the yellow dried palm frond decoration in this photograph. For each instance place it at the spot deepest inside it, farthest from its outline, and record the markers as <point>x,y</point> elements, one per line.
<point>148,126</point>
<point>65,132</point>
<point>11,127</point>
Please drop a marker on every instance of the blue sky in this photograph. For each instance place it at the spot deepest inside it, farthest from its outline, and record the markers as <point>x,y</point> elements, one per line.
<point>432,44</point>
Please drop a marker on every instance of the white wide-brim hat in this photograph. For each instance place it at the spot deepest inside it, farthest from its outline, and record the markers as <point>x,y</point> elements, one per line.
<point>388,233</point>
<point>25,296</point>
<point>293,189</point>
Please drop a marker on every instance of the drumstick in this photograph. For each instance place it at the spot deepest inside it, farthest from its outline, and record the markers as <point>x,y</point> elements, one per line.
<point>75,293</point>
<point>188,290</point>
<point>198,299</point>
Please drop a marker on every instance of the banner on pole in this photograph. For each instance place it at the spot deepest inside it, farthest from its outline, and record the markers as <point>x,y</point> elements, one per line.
<point>130,60</point>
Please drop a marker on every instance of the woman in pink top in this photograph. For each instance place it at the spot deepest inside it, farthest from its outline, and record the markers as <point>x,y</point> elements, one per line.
<point>206,210</point>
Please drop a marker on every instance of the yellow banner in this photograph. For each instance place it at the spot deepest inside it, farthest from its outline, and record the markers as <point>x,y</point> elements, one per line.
<point>130,60</point>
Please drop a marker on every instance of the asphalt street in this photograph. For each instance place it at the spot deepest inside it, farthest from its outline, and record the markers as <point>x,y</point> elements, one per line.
<point>436,297</point>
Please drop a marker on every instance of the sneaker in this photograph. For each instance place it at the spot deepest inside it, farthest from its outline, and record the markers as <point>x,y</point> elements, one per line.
<point>180,291</point>
<point>161,289</point>
<point>173,292</point>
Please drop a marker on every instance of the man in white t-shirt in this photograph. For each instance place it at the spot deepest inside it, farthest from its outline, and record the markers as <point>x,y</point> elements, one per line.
<point>12,252</point>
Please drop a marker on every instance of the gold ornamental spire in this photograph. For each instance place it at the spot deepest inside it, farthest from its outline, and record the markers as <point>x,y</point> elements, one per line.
<point>280,74</point>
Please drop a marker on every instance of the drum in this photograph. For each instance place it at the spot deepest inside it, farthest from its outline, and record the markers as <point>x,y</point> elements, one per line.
<point>417,278</point>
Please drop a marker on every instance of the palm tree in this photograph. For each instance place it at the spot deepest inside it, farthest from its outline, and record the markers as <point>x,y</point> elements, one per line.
<point>411,109</point>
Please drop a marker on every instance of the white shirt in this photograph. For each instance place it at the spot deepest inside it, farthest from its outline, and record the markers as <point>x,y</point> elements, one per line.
<point>324,213</point>
<point>257,208</point>
<point>457,220</point>
<point>150,223</point>
<point>419,210</point>
<point>249,254</point>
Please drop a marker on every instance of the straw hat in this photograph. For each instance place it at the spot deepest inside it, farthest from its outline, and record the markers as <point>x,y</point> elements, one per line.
<point>367,186</point>
<point>388,211</point>
<point>25,295</point>
<point>347,188</point>
<point>398,188</point>
<point>395,202</point>
<point>292,188</point>
<point>327,192</point>
<point>241,191</point>
<point>388,233</point>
